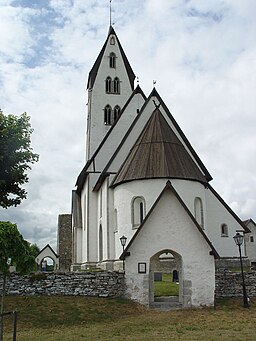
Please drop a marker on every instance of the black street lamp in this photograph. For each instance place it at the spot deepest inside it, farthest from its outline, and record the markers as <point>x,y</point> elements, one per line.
<point>123,242</point>
<point>238,238</point>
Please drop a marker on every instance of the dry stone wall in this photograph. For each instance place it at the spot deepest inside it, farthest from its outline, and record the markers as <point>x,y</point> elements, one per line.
<point>109,284</point>
<point>101,284</point>
<point>229,284</point>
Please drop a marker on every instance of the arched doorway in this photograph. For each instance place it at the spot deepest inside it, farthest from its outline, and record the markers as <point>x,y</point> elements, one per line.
<point>47,264</point>
<point>165,278</point>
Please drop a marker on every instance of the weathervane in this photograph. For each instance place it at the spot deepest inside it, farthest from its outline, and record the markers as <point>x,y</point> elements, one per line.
<point>154,82</point>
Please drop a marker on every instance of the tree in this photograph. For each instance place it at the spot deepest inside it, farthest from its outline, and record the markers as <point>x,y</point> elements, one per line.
<point>14,250</point>
<point>16,155</point>
<point>14,247</point>
<point>34,250</point>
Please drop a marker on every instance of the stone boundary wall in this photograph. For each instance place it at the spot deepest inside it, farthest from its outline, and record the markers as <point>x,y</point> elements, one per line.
<point>101,284</point>
<point>229,284</point>
<point>109,284</point>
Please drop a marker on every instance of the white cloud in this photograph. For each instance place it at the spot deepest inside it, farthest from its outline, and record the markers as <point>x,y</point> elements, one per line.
<point>202,54</point>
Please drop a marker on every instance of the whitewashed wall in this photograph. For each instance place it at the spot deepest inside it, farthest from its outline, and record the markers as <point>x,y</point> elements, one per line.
<point>169,227</point>
<point>251,244</point>
<point>217,215</point>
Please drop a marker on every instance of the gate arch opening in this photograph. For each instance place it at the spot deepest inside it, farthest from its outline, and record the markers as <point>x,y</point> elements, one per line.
<point>165,278</point>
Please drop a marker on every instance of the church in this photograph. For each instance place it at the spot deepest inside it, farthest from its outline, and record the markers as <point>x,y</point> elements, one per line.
<point>143,200</point>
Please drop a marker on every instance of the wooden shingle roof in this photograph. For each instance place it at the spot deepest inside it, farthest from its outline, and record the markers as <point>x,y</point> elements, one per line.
<point>158,153</point>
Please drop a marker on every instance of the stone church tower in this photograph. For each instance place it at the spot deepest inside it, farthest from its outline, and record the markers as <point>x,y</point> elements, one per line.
<point>110,83</point>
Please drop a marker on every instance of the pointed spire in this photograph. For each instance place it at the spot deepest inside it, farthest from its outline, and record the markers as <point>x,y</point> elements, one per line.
<point>110,14</point>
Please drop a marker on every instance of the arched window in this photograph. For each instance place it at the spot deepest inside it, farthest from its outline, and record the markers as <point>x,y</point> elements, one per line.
<point>116,85</point>
<point>108,84</point>
<point>100,202</point>
<point>117,110</point>
<point>199,213</point>
<point>100,244</point>
<point>224,230</point>
<point>107,114</point>
<point>112,60</point>
<point>138,211</point>
<point>112,41</point>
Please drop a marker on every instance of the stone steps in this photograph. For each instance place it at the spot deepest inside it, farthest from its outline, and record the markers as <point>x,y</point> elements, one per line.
<point>166,303</point>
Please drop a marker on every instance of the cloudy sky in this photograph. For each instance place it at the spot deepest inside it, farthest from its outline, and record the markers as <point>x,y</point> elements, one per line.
<point>202,53</point>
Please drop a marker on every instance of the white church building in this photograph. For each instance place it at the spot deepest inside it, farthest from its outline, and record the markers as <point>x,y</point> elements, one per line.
<point>144,181</point>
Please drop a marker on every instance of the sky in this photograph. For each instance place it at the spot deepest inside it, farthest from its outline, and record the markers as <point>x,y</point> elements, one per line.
<point>202,55</point>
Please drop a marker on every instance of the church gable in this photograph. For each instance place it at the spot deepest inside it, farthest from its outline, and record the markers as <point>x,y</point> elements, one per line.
<point>176,217</point>
<point>113,41</point>
<point>169,228</point>
<point>153,101</point>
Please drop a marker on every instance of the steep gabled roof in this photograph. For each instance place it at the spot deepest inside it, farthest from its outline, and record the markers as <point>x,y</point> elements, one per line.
<point>158,153</point>
<point>154,93</point>
<point>95,68</point>
<point>169,187</point>
<point>48,246</point>
<point>240,222</point>
<point>82,176</point>
<point>248,221</point>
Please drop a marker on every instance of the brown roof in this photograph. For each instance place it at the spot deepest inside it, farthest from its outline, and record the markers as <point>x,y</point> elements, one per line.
<point>158,153</point>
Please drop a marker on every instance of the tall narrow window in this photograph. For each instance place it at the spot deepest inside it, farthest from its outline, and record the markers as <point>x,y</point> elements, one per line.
<point>100,202</point>
<point>115,221</point>
<point>108,84</point>
<point>117,110</point>
<point>112,60</point>
<point>100,244</point>
<point>224,230</point>
<point>138,211</point>
<point>141,212</point>
<point>116,85</point>
<point>112,41</point>
<point>107,114</point>
<point>199,213</point>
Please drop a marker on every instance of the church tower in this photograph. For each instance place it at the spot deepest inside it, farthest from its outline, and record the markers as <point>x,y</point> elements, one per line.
<point>110,84</point>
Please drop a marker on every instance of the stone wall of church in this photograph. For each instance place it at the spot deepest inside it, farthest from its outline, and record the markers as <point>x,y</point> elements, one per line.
<point>101,284</point>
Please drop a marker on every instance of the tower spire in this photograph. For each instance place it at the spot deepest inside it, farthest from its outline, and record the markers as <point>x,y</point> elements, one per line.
<point>110,13</point>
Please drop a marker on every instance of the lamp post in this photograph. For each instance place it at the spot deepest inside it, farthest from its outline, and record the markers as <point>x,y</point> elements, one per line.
<point>123,242</point>
<point>238,238</point>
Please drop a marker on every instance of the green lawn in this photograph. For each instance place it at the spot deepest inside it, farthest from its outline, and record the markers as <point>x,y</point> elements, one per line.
<point>83,318</point>
<point>166,287</point>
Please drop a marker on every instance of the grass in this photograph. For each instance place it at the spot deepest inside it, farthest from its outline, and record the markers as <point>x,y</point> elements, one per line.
<point>89,319</point>
<point>166,287</point>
